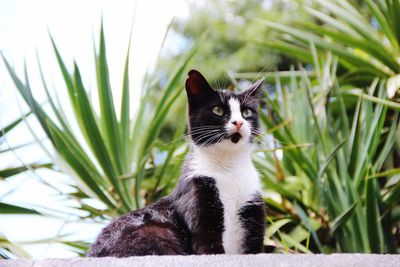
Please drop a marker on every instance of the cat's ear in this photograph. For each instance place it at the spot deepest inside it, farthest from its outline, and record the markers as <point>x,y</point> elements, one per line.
<point>196,84</point>
<point>255,90</point>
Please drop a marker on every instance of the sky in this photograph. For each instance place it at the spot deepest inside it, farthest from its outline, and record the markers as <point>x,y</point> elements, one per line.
<point>74,24</point>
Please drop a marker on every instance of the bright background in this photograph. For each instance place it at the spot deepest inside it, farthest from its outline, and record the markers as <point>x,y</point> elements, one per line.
<point>25,26</point>
<point>333,127</point>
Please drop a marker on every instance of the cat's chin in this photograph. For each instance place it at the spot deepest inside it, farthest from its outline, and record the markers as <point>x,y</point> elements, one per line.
<point>235,138</point>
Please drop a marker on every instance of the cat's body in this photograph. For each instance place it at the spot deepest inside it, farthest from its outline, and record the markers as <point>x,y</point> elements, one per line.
<point>217,205</point>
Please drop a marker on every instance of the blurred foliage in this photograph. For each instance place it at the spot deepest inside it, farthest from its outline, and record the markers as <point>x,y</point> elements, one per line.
<point>8,248</point>
<point>119,154</point>
<point>11,171</point>
<point>338,175</point>
<point>330,157</point>
<point>231,27</point>
<point>122,152</point>
<point>330,183</point>
<point>366,40</point>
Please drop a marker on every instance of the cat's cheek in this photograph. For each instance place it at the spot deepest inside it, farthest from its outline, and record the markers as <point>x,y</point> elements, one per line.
<point>246,130</point>
<point>229,128</point>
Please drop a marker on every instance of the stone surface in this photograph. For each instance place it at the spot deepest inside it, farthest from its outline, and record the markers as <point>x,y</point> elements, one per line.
<point>264,260</point>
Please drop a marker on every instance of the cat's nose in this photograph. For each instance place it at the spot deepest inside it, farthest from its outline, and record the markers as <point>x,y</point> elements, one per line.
<point>238,124</point>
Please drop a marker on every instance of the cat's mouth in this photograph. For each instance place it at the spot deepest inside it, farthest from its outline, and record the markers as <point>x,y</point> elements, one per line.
<point>235,138</point>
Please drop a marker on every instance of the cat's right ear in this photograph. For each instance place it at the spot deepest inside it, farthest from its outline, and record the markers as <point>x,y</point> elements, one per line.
<point>196,84</point>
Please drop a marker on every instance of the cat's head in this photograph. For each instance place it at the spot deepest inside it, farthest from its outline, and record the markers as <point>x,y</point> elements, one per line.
<point>221,118</point>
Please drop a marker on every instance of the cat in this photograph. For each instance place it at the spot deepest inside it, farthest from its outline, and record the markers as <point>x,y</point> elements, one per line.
<point>216,206</point>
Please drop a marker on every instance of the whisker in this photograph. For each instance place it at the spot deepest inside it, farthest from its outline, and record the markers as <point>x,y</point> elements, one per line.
<point>206,133</point>
<point>196,129</point>
<point>220,97</point>
<point>211,140</point>
<point>189,135</point>
<point>202,131</point>
<point>203,136</point>
<point>262,135</point>
<point>178,139</point>
<point>205,126</point>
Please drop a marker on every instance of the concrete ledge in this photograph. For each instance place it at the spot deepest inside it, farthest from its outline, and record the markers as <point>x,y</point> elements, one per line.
<point>264,260</point>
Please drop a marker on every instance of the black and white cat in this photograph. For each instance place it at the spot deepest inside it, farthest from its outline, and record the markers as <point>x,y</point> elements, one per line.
<point>217,205</point>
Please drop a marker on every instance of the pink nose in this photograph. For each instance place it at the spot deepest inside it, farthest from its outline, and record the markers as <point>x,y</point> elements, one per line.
<point>238,124</point>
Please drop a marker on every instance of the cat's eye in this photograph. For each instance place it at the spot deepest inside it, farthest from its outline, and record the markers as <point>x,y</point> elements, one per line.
<point>218,111</point>
<point>247,113</point>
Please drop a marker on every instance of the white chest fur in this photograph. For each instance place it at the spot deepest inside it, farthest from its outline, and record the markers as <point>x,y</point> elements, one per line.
<point>237,181</point>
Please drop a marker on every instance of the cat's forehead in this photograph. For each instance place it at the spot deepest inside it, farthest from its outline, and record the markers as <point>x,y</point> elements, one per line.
<point>225,95</point>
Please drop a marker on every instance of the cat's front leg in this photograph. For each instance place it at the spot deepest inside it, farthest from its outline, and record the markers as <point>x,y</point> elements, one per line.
<point>252,217</point>
<point>203,214</point>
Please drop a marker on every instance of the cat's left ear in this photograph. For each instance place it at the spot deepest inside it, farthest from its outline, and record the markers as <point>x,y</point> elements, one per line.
<point>254,91</point>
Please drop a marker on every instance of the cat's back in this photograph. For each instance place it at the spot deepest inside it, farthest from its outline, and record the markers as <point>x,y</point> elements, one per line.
<point>153,230</point>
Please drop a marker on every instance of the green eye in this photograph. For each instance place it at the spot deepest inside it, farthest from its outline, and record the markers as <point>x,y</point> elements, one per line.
<point>247,113</point>
<point>218,111</point>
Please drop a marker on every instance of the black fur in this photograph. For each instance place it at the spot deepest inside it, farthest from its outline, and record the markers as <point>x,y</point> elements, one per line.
<point>252,216</point>
<point>191,219</point>
<point>202,198</point>
<point>202,98</point>
<point>154,230</point>
<point>167,227</point>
